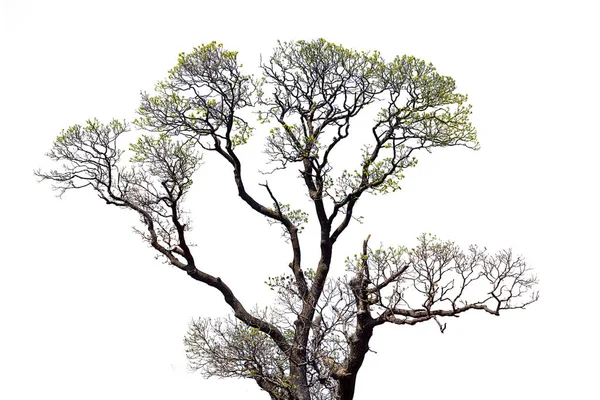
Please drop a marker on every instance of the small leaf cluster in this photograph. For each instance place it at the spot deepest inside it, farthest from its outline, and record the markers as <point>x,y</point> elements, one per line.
<point>297,217</point>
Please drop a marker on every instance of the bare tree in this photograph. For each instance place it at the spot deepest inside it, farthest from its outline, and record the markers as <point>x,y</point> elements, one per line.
<point>312,342</point>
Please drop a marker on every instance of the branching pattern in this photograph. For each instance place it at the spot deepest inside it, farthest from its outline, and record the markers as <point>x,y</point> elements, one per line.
<point>312,342</point>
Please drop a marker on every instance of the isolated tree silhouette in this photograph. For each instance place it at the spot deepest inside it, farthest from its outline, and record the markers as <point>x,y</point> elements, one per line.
<point>312,342</point>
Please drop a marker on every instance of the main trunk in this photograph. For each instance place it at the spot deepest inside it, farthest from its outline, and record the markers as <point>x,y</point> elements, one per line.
<point>358,350</point>
<point>298,374</point>
<point>345,389</point>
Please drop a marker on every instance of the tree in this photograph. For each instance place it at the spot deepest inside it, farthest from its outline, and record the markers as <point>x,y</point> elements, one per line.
<point>312,342</point>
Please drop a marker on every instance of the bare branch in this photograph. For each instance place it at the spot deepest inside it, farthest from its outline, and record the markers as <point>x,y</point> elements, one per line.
<point>444,281</point>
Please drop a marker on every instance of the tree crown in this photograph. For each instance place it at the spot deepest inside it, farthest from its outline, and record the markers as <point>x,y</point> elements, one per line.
<point>312,342</point>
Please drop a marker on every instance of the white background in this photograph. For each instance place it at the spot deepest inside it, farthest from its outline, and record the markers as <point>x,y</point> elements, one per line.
<point>87,313</point>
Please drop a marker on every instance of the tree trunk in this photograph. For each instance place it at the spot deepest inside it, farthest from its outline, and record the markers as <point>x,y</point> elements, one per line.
<point>345,389</point>
<point>298,375</point>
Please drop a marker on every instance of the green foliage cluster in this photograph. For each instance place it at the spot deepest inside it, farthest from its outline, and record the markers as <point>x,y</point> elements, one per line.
<point>92,132</point>
<point>297,216</point>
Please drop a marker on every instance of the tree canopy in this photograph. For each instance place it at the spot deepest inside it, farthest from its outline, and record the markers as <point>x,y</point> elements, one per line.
<point>311,343</point>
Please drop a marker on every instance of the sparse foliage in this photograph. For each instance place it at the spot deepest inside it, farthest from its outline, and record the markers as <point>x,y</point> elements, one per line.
<point>312,342</point>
